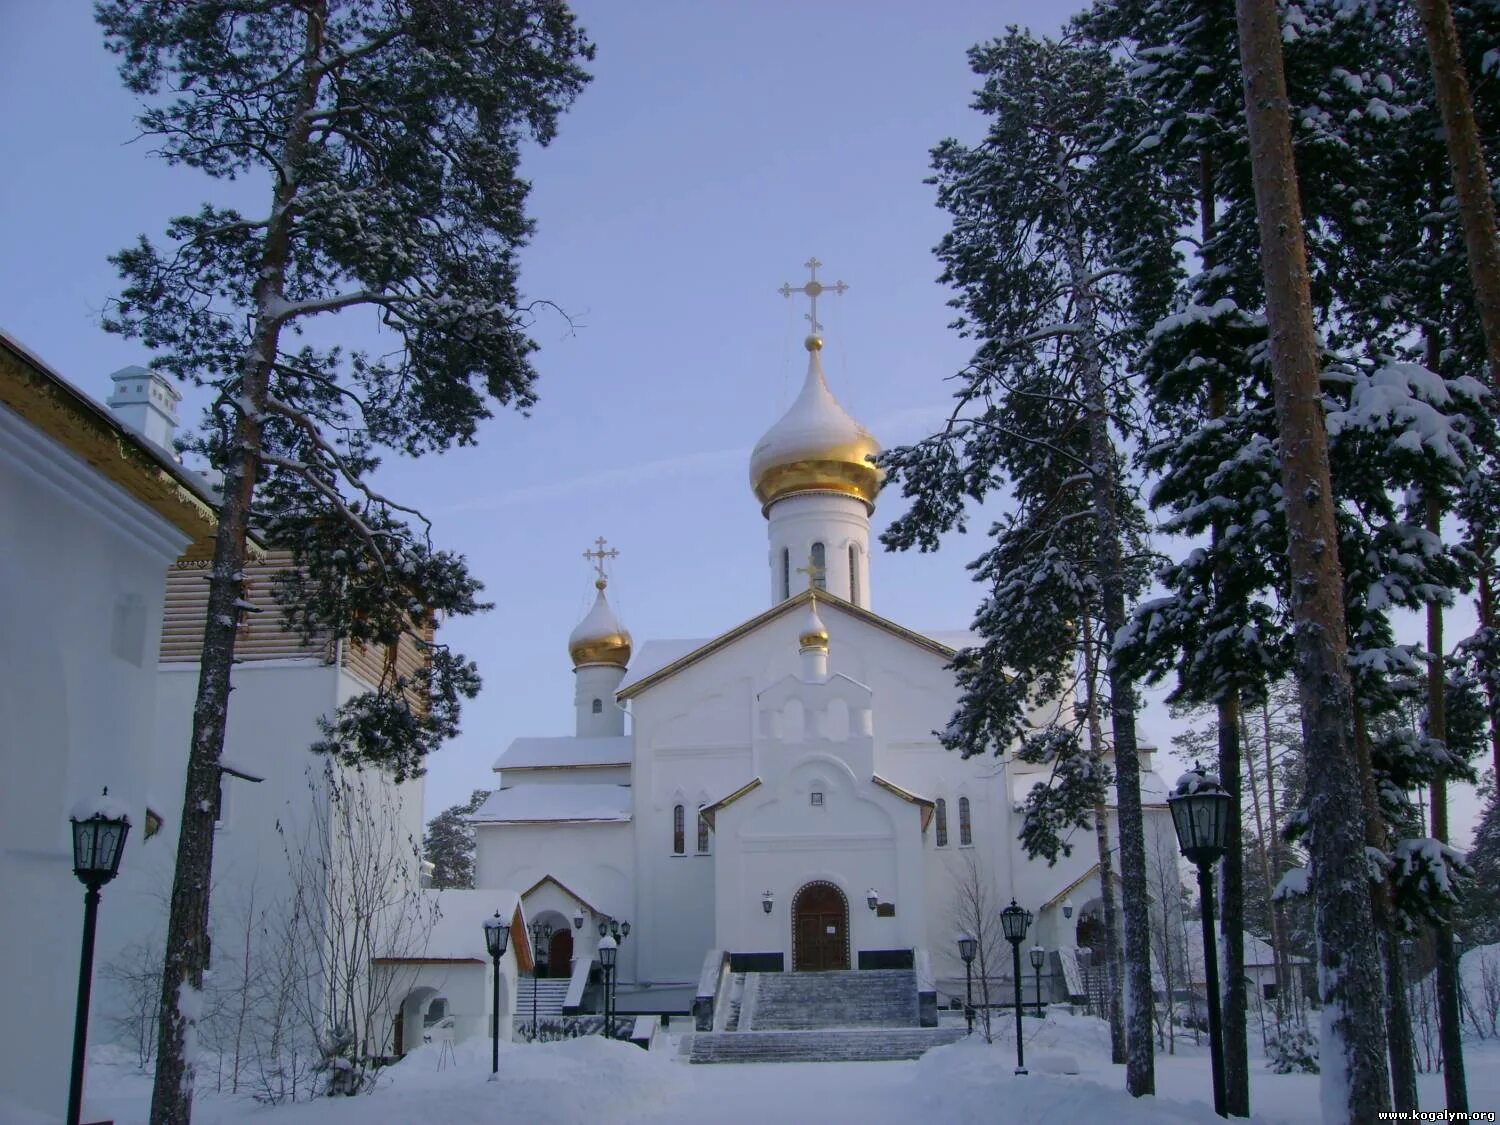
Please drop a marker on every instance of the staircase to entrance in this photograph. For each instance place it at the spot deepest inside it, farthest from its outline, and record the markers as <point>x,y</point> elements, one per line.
<point>550,994</point>
<point>842,1016</point>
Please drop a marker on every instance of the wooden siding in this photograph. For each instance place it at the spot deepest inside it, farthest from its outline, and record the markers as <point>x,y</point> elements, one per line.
<point>260,635</point>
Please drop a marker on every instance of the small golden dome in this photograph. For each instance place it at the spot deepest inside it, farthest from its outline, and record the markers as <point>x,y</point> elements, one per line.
<point>599,637</point>
<point>815,447</point>
<point>814,633</point>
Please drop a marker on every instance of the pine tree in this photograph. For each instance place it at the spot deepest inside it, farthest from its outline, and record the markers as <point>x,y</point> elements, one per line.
<point>389,140</point>
<point>449,843</point>
<point>1354,1069</point>
<point>1060,248</point>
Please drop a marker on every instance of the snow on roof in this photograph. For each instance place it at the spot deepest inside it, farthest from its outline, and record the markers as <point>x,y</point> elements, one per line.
<point>530,803</point>
<point>457,934</point>
<point>656,655</point>
<point>566,750</point>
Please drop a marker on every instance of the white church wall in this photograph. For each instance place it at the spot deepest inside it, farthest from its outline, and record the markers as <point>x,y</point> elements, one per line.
<point>82,567</point>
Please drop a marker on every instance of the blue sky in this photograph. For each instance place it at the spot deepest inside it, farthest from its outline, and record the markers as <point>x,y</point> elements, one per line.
<point>719,146</point>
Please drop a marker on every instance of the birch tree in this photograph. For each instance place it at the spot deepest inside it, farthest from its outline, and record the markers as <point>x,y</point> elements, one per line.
<point>387,138</point>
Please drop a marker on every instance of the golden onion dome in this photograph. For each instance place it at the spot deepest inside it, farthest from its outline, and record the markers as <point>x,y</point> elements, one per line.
<point>815,447</point>
<point>599,637</point>
<point>814,633</point>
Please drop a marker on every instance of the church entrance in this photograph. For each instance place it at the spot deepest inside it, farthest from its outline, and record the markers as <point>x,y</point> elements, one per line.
<point>820,929</point>
<point>560,953</point>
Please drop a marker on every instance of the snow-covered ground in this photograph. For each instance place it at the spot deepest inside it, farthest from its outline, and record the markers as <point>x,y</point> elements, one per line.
<point>592,1082</point>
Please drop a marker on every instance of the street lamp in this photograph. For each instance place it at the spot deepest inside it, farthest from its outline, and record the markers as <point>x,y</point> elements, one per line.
<point>541,932</point>
<point>578,919</point>
<point>872,898</point>
<point>967,947</point>
<point>100,826</point>
<point>1085,958</point>
<point>1015,921</point>
<point>1067,908</point>
<point>608,951</point>
<point>766,901</point>
<point>496,938</point>
<point>1038,957</point>
<point>1201,810</point>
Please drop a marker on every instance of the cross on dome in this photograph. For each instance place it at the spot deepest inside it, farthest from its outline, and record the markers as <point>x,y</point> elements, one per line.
<point>813,572</point>
<point>812,291</point>
<point>597,557</point>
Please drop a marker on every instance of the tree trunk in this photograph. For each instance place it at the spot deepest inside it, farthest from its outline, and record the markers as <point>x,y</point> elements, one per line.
<point>1355,1084</point>
<point>1471,180</point>
<point>1115,1009</point>
<point>1140,1077</point>
<point>1486,608</point>
<point>1397,1011</point>
<point>1263,861</point>
<point>1450,1030</point>
<point>187,951</point>
<point>1232,919</point>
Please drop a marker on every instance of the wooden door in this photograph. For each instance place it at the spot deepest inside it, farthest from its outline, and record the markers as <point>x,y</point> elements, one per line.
<point>820,929</point>
<point>560,953</point>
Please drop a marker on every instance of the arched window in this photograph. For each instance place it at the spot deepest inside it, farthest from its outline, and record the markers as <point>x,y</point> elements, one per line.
<point>786,573</point>
<point>965,828</point>
<point>598,706</point>
<point>679,839</point>
<point>702,831</point>
<point>819,565</point>
<point>853,574</point>
<point>942,823</point>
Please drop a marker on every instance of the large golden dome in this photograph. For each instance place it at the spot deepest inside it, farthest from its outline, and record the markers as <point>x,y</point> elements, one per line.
<point>599,637</point>
<point>815,447</point>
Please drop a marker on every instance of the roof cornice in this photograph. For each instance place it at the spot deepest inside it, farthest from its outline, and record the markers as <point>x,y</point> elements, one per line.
<point>859,613</point>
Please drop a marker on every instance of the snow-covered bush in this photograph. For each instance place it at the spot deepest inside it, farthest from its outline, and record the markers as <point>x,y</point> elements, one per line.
<point>1293,1050</point>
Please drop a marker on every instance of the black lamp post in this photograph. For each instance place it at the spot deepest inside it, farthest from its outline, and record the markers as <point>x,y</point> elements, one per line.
<point>1200,813</point>
<point>99,830</point>
<point>608,951</point>
<point>496,938</point>
<point>1015,921</point>
<point>967,947</point>
<point>1038,957</point>
<point>541,932</point>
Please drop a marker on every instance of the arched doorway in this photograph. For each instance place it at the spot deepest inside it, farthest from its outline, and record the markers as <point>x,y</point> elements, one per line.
<point>820,928</point>
<point>560,953</point>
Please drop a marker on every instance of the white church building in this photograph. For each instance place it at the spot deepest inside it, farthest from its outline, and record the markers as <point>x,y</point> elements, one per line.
<point>780,798</point>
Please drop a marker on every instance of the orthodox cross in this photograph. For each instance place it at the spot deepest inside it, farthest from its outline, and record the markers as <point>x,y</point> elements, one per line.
<point>813,290</point>
<point>598,555</point>
<point>813,571</point>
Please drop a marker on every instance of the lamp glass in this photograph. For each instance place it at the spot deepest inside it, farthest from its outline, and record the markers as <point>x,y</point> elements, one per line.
<point>98,843</point>
<point>872,898</point>
<point>1015,921</point>
<point>1201,818</point>
<point>578,919</point>
<point>967,947</point>
<point>1038,956</point>
<point>624,929</point>
<point>608,951</point>
<point>496,935</point>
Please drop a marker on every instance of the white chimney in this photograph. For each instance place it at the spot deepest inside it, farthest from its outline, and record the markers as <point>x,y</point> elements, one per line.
<point>146,401</point>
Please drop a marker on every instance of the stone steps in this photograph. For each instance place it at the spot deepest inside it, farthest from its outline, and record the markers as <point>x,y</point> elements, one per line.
<point>841,1045</point>
<point>550,994</point>
<point>885,998</point>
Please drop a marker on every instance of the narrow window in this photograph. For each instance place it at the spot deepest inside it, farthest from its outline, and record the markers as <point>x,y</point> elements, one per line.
<point>965,829</point>
<point>702,832</point>
<point>942,823</point>
<point>786,573</point>
<point>819,567</point>
<point>598,706</point>
<point>853,574</point>
<point>679,840</point>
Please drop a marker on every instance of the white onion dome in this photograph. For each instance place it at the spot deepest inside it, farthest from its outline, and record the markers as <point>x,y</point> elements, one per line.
<point>815,447</point>
<point>814,633</point>
<point>599,637</point>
